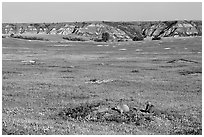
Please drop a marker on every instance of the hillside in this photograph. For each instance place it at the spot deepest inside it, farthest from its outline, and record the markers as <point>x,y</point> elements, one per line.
<point>118,31</point>
<point>74,88</point>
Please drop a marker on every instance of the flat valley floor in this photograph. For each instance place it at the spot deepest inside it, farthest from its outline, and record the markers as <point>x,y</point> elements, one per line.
<point>42,79</point>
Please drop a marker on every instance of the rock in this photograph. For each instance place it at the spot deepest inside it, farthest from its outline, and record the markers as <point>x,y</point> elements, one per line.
<point>122,108</point>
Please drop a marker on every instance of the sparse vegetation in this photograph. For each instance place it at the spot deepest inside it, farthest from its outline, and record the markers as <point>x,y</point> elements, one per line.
<point>28,37</point>
<point>72,90</point>
<point>191,71</point>
<point>74,38</point>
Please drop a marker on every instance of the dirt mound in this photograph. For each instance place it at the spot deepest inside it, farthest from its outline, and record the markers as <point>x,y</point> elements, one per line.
<point>157,120</point>
<point>98,112</point>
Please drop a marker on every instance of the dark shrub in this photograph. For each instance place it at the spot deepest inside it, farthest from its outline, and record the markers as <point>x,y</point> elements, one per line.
<point>120,40</point>
<point>136,38</point>
<point>98,40</point>
<point>105,36</point>
<point>28,37</point>
<point>156,38</point>
<point>12,35</point>
<point>74,38</point>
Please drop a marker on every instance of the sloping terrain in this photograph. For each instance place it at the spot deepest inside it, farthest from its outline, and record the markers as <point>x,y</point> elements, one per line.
<point>118,31</point>
<point>69,87</point>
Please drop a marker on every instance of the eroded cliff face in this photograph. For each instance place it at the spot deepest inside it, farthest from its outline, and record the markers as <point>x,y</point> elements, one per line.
<point>117,30</point>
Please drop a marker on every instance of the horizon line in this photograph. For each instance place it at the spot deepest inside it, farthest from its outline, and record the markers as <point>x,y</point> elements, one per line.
<point>108,21</point>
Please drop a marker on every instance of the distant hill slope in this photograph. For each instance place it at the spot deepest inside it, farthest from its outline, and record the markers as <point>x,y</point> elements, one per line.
<point>118,31</point>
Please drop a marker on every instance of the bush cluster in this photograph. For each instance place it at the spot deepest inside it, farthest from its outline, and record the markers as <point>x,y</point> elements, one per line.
<point>28,37</point>
<point>74,38</point>
<point>136,38</point>
<point>156,38</point>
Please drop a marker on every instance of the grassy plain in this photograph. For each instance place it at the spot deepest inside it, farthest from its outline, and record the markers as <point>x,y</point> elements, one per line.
<point>167,72</point>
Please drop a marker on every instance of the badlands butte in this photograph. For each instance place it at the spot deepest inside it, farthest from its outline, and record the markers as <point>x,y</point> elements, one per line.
<point>116,31</point>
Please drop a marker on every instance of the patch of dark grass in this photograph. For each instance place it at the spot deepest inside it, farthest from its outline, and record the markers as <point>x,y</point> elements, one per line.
<point>135,71</point>
<point>131,117</point>
<point>150,69</point>
<point>4,77</point>
<point>101,64</point>
<point>78,112</point>
<point>137,38</point>
<point>93,80</point>
<point>74,38</point>
<point>157,60</point>
<point>52,66</point>
<point>10,72</point>
<point>66,67</point>
<point>156,38</point>
<point>66,70</point>
<point>28,37</point>
<point>190,72</point>
<point>182,60</point>
<point>174,66</point>
<point>68,77</point>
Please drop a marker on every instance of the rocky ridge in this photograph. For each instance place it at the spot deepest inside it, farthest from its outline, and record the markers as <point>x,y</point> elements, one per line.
<point>118,31</point>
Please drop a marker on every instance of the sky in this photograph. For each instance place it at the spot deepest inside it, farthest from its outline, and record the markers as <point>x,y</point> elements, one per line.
<point>48,12</point>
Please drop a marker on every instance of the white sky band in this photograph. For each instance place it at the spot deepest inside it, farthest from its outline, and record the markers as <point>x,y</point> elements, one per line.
<point>18,12</point>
